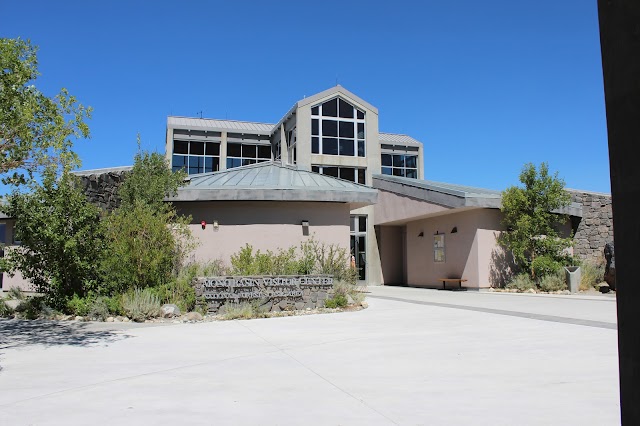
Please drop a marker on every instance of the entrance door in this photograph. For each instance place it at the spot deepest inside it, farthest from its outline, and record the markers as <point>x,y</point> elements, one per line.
<point>359,245</point>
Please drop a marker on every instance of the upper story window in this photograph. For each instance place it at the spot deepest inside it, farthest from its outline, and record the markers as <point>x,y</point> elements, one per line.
<point>400,164</point>
<point>243,154</point>
<point>353,174</point>
<point>337,128</point>
<point>195,156</point>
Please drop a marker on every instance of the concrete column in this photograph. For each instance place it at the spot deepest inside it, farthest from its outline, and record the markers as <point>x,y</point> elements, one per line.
<point>620,44</point>
<point>223,151</point>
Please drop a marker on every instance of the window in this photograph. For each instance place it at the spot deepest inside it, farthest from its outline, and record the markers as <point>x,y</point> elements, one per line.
<point>242,154</point>
<point>195,156</point>
<point>358,228</point>
<point>405,165</point>
<point>337,128</point>
<point>353,174</point>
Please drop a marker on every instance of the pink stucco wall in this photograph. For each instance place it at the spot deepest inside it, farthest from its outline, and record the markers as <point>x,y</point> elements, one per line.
<point>391,246</point>
<point>263,224</point>
<point>468,251</point>
<point>392,207</point>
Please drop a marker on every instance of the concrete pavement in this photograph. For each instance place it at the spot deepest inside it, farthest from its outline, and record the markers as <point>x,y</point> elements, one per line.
<point>414,357</point>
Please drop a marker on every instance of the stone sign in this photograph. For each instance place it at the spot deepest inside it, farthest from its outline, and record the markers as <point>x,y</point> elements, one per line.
<point>273,293</point>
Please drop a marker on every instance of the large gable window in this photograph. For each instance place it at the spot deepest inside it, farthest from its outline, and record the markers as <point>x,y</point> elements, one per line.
<point>337,128</point>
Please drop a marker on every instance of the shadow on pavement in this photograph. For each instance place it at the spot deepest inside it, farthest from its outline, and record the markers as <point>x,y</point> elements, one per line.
<point>19,333</point>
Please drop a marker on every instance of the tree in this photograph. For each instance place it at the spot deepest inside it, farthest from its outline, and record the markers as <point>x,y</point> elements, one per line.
<point>60,235</point>
<point>35,130</point>
<point>531,224</point>
<point>145,238</point>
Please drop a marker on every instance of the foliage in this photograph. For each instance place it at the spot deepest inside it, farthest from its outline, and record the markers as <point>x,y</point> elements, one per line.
<point>146,240</point>
<point>150,182</point>
<point>337,301</point>
<point>591,274</point>
<point>35,130</point>
<point>529,221</point>
<point>545,265</point>
<point>15,293</point>
<point>553,282</point>
<point>78,306</point>
<point>60,236</point>
<point>521,282</point>
<point>32,307</point>
<point>244,310</point>
<point>141,304</point>
<point>281,262</point>
<point>5,309</point>
<point>351,289</point>
<point>179,292</point>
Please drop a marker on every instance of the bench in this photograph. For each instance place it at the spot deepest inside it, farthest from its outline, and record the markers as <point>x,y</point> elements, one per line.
<point>452,280</point>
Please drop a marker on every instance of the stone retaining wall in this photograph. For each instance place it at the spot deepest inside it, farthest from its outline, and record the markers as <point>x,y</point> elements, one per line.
<point>102,188</point>
<point>595,229</point>
<point>272,294</point>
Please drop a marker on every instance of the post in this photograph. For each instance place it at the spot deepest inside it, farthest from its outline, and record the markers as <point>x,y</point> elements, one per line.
<point>620,44</point>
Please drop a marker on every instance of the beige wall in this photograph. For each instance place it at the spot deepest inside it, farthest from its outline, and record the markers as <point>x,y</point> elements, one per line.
<point>265,225</point>
<point>393,207</point>
<point>390,243</point>
<point>468,252</point>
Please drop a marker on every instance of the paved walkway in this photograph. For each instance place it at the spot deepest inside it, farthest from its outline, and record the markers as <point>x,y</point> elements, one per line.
<point>414,357</point>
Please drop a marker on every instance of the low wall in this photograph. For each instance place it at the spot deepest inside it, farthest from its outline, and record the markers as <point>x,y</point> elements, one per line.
<point>273,293</point>
<point>595,229</point>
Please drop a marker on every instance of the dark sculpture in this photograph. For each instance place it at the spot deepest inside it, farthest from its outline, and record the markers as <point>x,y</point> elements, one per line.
<point>610,269</point>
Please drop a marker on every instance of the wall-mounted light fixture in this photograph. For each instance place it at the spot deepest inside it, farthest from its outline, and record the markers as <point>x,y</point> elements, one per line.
<point>421,234</point>
<point>305,228</point>
<point>454,230</point>
<point>203,224</point>
<point>305,223</point>
<point>215,225</point>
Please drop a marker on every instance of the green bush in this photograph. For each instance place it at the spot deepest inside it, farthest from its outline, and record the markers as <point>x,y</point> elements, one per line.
<point>5,310</point>
<point>337,301</point>
<point>350,289</point>
<point>114,304</point>
<point>521,282</point>
<point>590,275</point>
<point>78,306</point>
<point>553,282</point>
<point>98,308</point>
<point>141,304</point>
<point>545,265</point>
<point>238,311</point>
<point>33,308</point>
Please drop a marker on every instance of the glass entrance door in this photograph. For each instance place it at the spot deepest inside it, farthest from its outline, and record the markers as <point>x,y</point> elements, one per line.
<point>359,245</point>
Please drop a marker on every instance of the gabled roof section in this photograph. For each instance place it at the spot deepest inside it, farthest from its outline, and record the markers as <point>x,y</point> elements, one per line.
<point>219,125</point>
<point>273,181</point>
<point>398,139</point>
<point>337,91</point>
<point>451,195</point>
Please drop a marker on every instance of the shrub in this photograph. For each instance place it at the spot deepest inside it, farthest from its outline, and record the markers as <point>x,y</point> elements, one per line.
<point>114,304</point>
<point>590,275</point>
<point>141,304</point>
<point>545,265</point>
<point>5,310</point>
<point>521,282</point>
<point>78,306</point>
<point>98,308</point>
<point>15,293</point>
<point>32,308</point>
<point>350,289</point>
<point>337,301</point>
<point>553,282</point>
<point>238,311</point>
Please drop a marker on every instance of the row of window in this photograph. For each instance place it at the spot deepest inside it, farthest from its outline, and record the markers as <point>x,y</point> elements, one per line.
<point>404,165</point>
<point>337,128</point>
<point>353,174</point>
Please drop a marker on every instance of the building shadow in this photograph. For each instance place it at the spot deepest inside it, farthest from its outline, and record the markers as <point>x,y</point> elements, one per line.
<point>502,268</point>
<point>20,333</point>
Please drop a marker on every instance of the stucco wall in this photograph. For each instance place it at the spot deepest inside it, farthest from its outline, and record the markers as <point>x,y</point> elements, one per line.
<point>394,207</point>
<point>390,243</point>
<point>264,225</point>
<point>595,229</point>
<point>468,251</point>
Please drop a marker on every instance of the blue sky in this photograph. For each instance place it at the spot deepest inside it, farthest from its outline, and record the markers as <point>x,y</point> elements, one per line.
<point>486,86</point>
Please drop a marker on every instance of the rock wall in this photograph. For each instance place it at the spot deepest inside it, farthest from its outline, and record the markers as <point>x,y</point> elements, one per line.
<point>101,188</point>
<point>595,229</point>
